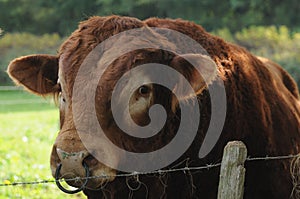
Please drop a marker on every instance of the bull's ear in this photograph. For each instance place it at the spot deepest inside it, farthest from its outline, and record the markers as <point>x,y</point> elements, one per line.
<point>199,70</point>
<point>37,73</point>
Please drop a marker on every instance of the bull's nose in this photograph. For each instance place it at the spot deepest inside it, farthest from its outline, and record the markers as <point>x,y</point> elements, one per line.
<point>72,162</point>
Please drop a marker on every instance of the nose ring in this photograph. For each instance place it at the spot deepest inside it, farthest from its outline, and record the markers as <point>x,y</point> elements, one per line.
<point>87,174</point>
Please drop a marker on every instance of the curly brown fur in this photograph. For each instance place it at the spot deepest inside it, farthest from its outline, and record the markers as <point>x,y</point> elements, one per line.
<point>263,111</point>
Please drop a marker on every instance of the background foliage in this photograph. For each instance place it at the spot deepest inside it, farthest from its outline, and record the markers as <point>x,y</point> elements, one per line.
<point>268,28</point>
<point>61,16</point>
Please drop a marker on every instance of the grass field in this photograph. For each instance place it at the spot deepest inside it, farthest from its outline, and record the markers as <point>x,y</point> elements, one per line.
<point>28,127</point>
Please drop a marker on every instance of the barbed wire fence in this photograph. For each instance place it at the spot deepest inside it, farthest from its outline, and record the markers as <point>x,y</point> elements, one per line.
<point>163,171</point>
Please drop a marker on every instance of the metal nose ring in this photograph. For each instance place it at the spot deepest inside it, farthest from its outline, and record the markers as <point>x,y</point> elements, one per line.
<point>57,181</point>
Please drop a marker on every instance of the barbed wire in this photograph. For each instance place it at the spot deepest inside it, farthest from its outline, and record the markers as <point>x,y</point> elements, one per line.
<point>272,157</point>
<point>183,169</point>
<point>163,171</point>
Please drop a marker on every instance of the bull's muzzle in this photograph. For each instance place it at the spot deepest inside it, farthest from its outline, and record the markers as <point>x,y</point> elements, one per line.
<point>73,169</point>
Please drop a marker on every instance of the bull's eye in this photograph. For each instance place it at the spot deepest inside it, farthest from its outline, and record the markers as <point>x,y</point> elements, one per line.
<point>144,90</point>
<point>62,99</point>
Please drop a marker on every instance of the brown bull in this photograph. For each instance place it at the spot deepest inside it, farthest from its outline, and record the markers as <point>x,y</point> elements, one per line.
<point>263,111</point>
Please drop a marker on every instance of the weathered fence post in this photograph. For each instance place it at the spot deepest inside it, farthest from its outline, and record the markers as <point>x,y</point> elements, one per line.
<point>232,175</point>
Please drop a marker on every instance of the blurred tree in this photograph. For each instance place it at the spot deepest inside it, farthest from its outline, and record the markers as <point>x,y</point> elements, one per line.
<point>62,16</point>
<point>43,16</point>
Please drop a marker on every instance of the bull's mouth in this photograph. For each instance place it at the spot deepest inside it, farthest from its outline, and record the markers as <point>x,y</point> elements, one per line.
<point>80,170</point>
<point>93,179</point>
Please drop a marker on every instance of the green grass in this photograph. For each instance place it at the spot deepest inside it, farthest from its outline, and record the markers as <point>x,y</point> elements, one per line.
<point>28,128</point>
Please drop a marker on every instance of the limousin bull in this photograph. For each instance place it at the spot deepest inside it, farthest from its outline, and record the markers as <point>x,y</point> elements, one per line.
<point>262,110</point>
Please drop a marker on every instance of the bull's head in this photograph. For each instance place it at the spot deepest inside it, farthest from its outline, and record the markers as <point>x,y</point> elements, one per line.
<point>56,74</point>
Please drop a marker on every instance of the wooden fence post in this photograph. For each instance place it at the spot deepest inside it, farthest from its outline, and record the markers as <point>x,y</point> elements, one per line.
<point>232,175</point>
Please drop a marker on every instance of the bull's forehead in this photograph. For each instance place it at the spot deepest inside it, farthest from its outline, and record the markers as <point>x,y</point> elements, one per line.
<point>71,60</point>
<point>62,72</point>
<point>69,64</point>
<point>61,78</point>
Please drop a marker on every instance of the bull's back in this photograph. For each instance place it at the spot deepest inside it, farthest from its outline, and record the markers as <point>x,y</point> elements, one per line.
<point>263,109</point>
<point>281,76</point>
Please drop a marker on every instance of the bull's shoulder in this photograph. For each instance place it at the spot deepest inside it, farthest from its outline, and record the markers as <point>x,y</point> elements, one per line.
<point>281,75</point>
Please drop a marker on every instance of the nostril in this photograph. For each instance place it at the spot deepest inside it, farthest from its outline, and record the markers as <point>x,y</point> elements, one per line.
<point>90,160</point>
<point>71,162</point>
<point>55,158</point>
<point>54,161</point>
